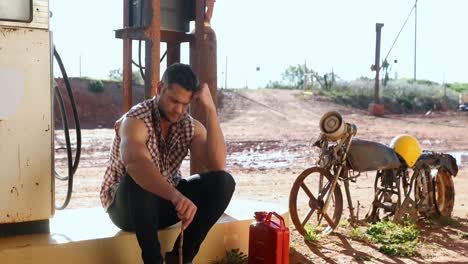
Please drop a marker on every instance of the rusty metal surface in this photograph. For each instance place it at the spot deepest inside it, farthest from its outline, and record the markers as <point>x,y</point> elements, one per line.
<point>444,195</point>
<point>176,37</point>
<point>368,156</point>
<point>209,61</point>
<point>153,51</point>
<point>435,160</point>
<point>176,15</point>
<point>378,28</point>
<point>209,11</point>
<point>197,52</point>
<point>173,53</point>
<point>203,52</point>
<point>127,64</point>
<point>132,33</point>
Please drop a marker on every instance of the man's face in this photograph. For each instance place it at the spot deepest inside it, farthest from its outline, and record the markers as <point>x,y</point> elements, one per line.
<point>173,102</point>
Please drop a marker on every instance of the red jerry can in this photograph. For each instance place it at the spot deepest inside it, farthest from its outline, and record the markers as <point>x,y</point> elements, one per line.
<point>268,240</point>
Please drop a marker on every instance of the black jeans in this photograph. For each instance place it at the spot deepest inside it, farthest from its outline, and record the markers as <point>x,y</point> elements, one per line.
<point>135,209</point>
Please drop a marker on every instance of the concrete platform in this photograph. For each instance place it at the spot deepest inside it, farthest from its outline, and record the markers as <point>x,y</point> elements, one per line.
<point>88,236</point>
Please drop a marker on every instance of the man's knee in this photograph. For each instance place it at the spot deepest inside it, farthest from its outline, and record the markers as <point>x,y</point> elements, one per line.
<point>225,183</point>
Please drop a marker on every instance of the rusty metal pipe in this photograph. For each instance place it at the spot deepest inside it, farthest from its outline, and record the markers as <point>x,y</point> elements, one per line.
<point>173,53</point>
<point>378,28</point>
<point>127,63</point>
<point>203,61</point>
<point>153,51</point>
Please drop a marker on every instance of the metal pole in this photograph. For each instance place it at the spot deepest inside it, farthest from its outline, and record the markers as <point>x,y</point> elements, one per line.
<point>225,75</point>
<point>152,51</point>
<point>203,61</point>
<point>305,76</point>
<point>127,62</point>
<point>378,28</point>
<point>80,65</point>
<point>415,35</point>
<point>173,53</point>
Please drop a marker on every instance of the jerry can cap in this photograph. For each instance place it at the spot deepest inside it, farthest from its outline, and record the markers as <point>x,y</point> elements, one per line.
<point>261,215</point>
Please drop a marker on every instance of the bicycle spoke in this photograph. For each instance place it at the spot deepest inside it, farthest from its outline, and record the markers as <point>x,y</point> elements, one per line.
<point>324,191</point>
<point>306,219</point>
<point>308,192</point>
<point>319,219</point>
<point>329,220</point>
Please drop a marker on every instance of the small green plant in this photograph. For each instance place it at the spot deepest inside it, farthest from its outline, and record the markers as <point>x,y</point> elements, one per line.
<point>463,235</point>
<point>391,233</point>
<point>344,224</point>
<point>357,234</point>
<point>311,234</point>
<point>458,87</point>
<point>396,240</point>
<point>408,249</point>
<point>362,258</point>
<point>96,86</point>
<point>234,256</point>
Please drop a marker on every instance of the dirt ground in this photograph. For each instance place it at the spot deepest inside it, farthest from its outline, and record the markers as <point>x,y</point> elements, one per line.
<point>268,134</point>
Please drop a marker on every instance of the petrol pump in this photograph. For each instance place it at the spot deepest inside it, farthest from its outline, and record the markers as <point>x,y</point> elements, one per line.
<point>26,126</point>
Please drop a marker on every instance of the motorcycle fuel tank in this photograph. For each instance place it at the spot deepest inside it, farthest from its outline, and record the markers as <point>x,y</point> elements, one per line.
<point>366,155</point>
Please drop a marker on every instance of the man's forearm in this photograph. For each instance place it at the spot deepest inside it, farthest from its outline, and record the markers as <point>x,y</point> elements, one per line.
<point>146,176</point>
<point>216,148</point>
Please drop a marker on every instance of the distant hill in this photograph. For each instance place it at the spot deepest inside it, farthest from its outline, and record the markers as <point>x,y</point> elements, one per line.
<point>95,109</point>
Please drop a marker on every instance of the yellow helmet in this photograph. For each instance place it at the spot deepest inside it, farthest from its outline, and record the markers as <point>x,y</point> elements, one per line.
<point>407,147</point>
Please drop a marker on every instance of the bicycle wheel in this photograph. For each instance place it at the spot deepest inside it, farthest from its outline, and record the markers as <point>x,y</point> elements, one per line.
<point>308,195</point>
<point>387,197</point>
<point>444,193</point>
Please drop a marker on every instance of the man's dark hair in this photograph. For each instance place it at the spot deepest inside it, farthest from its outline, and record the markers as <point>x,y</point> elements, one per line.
<point>183,75</point>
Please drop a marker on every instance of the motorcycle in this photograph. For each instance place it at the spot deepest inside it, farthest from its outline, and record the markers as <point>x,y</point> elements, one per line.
<point>401,190</point>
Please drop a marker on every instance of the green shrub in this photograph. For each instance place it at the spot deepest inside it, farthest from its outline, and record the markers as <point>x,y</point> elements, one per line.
<point>235,256</point>
<point>362,258</point>
<point>458,87</point>
<point>401,250</point>
<point>396,240</point>
<point>463,235</point>
<point>344,224</point>
<point>357,234</point>
<point>311,234</point>
<point>280,85</point>
<point>399,96</point>
<point>96,86</point>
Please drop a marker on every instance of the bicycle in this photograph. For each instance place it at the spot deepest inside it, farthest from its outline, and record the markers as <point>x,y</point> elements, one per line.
<point>400,190</point>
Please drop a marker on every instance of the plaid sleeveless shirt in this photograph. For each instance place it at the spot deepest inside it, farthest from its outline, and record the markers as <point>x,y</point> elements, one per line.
<point>167,154</point>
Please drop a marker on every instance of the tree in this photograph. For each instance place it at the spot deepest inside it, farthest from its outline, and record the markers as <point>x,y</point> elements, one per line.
<point>294,76</point>
<point>117,75</point>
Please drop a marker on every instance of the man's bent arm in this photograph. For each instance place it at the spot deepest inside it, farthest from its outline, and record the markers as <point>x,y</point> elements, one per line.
<point>208,143</point>
<point>216,146</point>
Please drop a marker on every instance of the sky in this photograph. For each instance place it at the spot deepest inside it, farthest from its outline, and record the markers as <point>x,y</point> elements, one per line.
<point>331,35</point>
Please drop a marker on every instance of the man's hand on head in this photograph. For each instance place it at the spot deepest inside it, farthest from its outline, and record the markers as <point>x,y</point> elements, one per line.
<point>203,96</point>
<point>185,208</point>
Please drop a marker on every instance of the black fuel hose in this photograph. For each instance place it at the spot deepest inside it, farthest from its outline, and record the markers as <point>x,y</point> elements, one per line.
<point>72,165</point>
